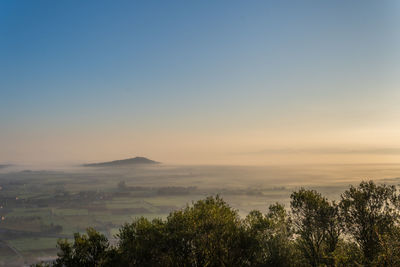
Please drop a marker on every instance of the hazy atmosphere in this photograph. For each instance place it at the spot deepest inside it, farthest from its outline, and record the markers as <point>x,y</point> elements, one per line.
<point>200,82</point>
<point>115,112</point>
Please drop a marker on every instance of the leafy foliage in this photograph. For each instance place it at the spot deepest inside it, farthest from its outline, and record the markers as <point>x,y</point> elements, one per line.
<point>317,224</point>
<point>362,230</point>
<point>370,212</point>
<point>87,250</point>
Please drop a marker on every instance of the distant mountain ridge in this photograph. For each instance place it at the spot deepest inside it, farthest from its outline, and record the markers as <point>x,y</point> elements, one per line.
<point>123,162</point>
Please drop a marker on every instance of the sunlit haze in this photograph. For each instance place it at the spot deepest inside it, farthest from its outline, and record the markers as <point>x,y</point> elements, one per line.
<point>232,82</point>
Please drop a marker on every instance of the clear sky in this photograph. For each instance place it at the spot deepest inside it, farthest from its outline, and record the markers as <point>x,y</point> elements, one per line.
<point>207,82</point>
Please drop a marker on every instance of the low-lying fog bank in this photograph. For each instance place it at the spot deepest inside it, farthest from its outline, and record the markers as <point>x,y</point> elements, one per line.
<point>39,206</point>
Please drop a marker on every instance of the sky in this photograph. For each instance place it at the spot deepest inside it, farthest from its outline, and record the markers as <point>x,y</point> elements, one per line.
<point>200,82</point>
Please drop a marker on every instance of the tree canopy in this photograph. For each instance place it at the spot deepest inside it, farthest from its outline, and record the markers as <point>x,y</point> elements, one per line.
<point>362,229</point>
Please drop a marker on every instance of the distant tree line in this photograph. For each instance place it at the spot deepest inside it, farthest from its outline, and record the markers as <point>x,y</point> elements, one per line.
<point>168,190</point>
<point>362,229</point>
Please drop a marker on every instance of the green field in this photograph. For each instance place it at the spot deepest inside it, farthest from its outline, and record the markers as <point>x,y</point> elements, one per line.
<point>39,207</point>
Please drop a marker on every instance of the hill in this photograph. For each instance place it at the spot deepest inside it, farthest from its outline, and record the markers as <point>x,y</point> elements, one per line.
<point>123,162</point>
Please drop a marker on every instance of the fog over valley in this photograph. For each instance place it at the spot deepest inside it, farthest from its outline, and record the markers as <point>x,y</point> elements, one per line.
<point>199,133</point>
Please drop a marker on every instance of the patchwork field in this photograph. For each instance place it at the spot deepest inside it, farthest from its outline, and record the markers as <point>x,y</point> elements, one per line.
<point>39,207</point>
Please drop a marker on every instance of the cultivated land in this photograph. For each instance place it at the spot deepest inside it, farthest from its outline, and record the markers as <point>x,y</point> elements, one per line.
<point>39,207</point>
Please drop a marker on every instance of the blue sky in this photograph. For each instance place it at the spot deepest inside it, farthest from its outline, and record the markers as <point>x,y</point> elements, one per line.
<point>196,81</point>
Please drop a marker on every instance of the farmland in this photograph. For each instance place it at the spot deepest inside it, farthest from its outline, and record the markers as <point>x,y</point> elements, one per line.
<point>38,207</point>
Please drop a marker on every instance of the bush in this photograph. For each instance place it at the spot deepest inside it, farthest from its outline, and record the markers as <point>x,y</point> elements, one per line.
<point>363,230</point>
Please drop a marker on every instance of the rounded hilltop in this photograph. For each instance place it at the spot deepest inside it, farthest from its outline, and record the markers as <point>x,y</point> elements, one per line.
<point>123,162</point>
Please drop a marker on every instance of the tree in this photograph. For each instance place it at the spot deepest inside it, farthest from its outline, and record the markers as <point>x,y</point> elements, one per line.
<point>142,243</point>
<point>89,249</point>
<point>347,254</point>
<point>208,233</point>
<point>273,235</point>
<point>390,253</point>
<point>317,224</point>
<point>370,212</point>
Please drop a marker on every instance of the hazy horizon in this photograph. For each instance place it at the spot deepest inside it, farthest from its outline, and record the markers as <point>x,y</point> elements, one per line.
<point>250,101</point>
<point>201,83</point>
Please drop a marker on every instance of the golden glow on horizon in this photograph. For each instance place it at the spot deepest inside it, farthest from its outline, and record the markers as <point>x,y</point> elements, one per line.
<point>252,147</point>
